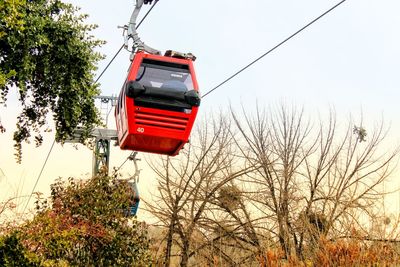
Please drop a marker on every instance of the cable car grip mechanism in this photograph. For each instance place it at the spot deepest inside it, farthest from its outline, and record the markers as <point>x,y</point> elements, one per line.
<point>131,32</point>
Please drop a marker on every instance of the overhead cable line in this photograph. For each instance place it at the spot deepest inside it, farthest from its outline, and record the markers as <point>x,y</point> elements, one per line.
<point>263,55</point>
<point>116,54</point>
<point>148,12</point>
<point>122,46</point>
<point>109,63</point>
<point>2,175</point>
<point>120,166</point>
<point>40,174</point>
<point>130,157</point>
<point>101,74</point>
<point>275,47</point>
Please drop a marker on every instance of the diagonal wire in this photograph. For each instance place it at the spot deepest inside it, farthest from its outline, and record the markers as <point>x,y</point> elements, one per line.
<point>101,74</point>
<point>263,55</point>
<point>122,46</point>
<point>109,63</point>
<point>120,166</point>
<point>148,12</point>
<point>123,163</point>
<point>40,174</point>
<point>275,47</point>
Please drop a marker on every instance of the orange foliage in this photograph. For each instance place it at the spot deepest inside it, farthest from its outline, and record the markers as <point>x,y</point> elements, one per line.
<point>339,253</point>
<point>356,253</point>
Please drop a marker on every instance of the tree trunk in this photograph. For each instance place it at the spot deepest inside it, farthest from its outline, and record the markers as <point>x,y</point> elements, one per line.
<point>168,248</point>
<point>185,253</point>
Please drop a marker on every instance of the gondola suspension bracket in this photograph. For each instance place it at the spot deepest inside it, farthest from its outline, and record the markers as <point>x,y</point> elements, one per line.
<point>131,33</point>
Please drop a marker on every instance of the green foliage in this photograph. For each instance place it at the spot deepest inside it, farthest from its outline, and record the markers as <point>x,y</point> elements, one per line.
<point>83,225</point>
<point>361,133</point>
<point>47,54</point>
<point>13,253</point>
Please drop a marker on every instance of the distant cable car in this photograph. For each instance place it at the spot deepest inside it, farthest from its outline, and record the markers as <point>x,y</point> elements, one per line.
<point>134,201</point>
<point>158,103</point>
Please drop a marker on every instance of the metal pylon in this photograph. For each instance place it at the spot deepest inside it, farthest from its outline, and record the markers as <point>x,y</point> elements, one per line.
<point>102,136</point>
<point>101,152</point>
<point>101,156</point>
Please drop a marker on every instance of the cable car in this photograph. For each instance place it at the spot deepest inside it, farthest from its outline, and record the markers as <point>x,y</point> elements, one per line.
<point>134,201</point>
<point>158,103</point>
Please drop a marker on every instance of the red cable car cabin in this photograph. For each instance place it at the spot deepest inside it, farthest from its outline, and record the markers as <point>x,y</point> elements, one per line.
<point>157,105</point>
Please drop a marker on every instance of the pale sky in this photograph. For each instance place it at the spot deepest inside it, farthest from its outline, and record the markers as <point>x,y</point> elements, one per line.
<point>348,60</point>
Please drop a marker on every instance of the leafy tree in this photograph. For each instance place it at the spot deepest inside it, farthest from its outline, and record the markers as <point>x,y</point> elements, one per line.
<point>84,225</point>
<point>13,253</point>
<point>48,55</point>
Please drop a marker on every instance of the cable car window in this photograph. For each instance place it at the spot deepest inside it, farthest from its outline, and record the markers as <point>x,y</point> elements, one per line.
<point>120,98</point>
<point>169,76</point>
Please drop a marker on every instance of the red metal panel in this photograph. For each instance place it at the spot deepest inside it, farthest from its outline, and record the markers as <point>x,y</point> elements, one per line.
<point>151,117</point>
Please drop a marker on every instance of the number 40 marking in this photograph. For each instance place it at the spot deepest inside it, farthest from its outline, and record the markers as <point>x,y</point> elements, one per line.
<point>140,130</point>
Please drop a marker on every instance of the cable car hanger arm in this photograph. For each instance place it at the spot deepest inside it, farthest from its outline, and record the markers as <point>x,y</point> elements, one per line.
<point>138,44</point>
<point>132,33</point>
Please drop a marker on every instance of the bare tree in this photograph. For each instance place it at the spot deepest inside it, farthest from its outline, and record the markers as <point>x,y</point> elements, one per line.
<point>269,180</point>
<point>309,180</point>
<point>232,234</point>
<point>189,183</point>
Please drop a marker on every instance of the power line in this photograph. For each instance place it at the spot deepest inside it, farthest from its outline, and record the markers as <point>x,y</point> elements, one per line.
<point>260,57</point>
<point>116,54</point>
<point>148,12</point>
<point>122,46</point>
<point>123,163</point>
<point>109,63</point>
<point>275,47</point>
<point>40,174</point>
<point>101,74</point>
<point>2,175</point>
<point>120,166</point>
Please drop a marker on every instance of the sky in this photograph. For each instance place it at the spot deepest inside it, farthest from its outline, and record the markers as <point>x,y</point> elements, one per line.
<point>349,60</point>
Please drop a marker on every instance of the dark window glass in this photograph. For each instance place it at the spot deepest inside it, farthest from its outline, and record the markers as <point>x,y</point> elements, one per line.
<point>165,75</point>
